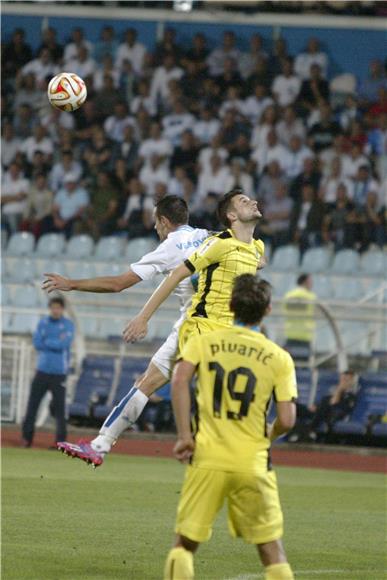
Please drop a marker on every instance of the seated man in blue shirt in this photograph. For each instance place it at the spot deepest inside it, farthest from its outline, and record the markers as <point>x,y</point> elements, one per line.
<point>52,340</point>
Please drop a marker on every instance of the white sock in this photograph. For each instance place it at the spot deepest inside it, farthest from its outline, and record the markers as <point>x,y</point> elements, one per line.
<point>122,416</point>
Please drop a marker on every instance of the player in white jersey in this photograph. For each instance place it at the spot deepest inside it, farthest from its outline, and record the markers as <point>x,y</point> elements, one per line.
<point>178,241</point>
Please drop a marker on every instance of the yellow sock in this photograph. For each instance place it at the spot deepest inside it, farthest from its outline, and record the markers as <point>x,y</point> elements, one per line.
<point>279,572</point>
<point>179,565</point>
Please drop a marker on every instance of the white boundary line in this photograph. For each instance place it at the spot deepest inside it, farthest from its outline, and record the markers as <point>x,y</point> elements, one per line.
<point>211,17</point>
<point>324,572</point>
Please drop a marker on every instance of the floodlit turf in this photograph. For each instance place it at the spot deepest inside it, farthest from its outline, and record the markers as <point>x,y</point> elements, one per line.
<point>62,520</point>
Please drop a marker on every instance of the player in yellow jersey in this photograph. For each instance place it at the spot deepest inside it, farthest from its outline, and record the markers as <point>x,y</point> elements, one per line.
<point>238,371</point>
<point>218,261</point>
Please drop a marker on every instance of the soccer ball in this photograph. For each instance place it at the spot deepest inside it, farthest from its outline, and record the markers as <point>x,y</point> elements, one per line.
<point>66,91</point>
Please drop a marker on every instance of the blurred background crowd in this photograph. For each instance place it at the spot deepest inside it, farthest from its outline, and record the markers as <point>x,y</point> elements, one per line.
<point>193,122</point>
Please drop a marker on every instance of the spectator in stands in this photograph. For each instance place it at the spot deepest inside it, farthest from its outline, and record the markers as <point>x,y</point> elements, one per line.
<point>299,308</point>
<point>185,155</point>
<point>350,112</point>
<point>15,190</point>
<point>137,219</point>
<point>152,173</point>
<point>272,150</point>
<point>28,93</point>
<point>39,164</point>
<point>160,81</point>
<point>230,76</point>
<point>262,75</point>
<point>267,124</point>
<point>337,226</point>
<point>331,409</point>
<point>107,97</point>
<point>374,222</point>
<point>324,131</point>
<point>248,60</point>
<point>297,154</point>
<point>277,210</point>
<point>218,56</point>
<point>168,46</point>
<point>82,64</point>
<point>50,42</point>
<point>239,178</point>
<point>77,40</point>
<point>286,85</point>
<point>352,162</point>
<point>363,183</point>
<point>15,55</point>
<point>70,204</point>
<point>52,340</point>
<point>306,220</point>
<point>309,176</point>
<point>105,67</point>
<point>114,125</point>
<point>131,50</point>
<point>10,145</point>
<point>212,180</point>
<point>39,205</point>
<point>107,45</point>
<point>55,121</point>
<point>204,216</point>
<point>368,89</point>
<point>42,67</point>
<point>128,149</point>
<point>279,53</point>
<point>101,214</point>
<point>207,126</point>
<point>198,52</point>
<point>178,121</point>
<point>314,89</point>
<point>143,100</point>
<point>255,104</point>
<point>290,126</point>
<point>24,121</point>
<point>312,55</point>
<point>38,142</point>
<point>155,144</point>
<point>330,183</point>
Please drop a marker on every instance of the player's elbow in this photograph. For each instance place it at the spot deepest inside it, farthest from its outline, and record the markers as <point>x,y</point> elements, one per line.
<point>287,423</point>
<point>286,416</point>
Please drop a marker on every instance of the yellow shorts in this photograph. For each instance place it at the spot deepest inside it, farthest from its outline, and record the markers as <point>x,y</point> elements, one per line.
<point>254,510</point>
<point>197,325</point>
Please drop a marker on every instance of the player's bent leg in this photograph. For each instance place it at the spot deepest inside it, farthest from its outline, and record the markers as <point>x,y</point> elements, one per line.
<point>273,557</point>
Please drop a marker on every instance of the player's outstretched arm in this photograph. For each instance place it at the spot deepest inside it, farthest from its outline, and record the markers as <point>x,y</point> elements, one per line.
<point>138,326</point>
<point>181,402</point>
<point>285,420</point>
<point>54,282</point>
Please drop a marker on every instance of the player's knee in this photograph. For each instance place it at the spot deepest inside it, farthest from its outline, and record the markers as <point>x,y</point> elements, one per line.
<point>149,382</point>
<point>272,553</point>
<point>186,543</point>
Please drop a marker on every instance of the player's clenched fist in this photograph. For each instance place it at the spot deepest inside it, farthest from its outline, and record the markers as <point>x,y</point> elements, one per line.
<point>184,449</point>
<point>54,282</point>
<point>136,329</point>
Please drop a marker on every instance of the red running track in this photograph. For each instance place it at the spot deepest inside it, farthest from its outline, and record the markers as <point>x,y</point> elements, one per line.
<point>291,457</point>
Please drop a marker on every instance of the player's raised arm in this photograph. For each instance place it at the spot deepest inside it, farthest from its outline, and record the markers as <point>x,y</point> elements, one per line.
<point>137,328</point>
<point>54,282</point>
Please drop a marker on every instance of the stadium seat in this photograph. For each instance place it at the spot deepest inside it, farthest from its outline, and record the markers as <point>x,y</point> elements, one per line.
<point>325,339</point>
<point>88,324</point>
<point>80,247</point>
<point>20,270</point>
<point>97,374</point>
<point>80,269</point>
<point>347,289</point>
<point>138,247</point>
<point>345,262</point>
<point>21,244</point>
<point>26,297</point>
<point>355,337</point>
<point>286,259</point>
<point>281,283</point>
<point>50,245</point>
<point>56,266</point>
<point>304,384</point>
<point>111,327</point>
<point>110,268</point>
<point>109,248</point>
<point>24,323</point>
<point>322,286</point>
<point>316,260</point>
<point>372,263</point>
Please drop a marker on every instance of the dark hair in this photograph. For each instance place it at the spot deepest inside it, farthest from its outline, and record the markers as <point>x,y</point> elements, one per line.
<point>224,205</point>
<point>57,300</point>
<point>348,372</point>
<point>302,278</point>
<point>174,208</point>
<point>250,298</point>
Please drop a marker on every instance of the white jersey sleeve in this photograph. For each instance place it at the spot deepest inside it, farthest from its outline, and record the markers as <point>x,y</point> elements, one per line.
<point>153,263</point>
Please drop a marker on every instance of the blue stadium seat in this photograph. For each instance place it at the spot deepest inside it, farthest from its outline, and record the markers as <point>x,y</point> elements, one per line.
<point>80,269</point>
<point>316,260</point>
<point>109,248</point>
<point>20,270</point>
<point>111,327</point>
<point>322,286</point>
<point>26,297</point>
<point>50,245</point>
<point>110,268</point>
<point>372,263</point>
<point>80,247</point>
<point>286,259</point>
<point>380,430</point>
<point>21,244</point>
<point>304,384</point>
<point>97,375</point>
<point>347,289</point>
<point>345,262</point>
<point>138,247</point>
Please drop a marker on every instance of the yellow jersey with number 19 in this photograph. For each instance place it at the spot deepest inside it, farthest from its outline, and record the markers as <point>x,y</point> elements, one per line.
<point>239,370</point>
<point>219,260</point>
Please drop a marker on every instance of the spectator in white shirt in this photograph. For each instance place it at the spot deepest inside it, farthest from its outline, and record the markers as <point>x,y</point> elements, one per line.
<point>239,177</point>
<point>352,162</point>
<point>178,121</point>
<point>217,57</point>
<point>206,154</point>
<point>255,105</point>
<point>267,124</point>
<point>67,165</point>
<point>55,121</point>
<point>297,153</point>
<point>329,185</point>
<point>270,151</point>
<point>69,207</point>
<point>363,183</point>
<point>290,126</point>
<point>9,145</point>
<point>78,40</point>
<point>177,182</point>
<point>82,65</point>
<point>115,124</point>
<point>232,102</point>
<point>277,217</point>
<point>156,144</point>
<point>160,89</point>
<point>15,189</point>
<point>286,86</point>
<point>42,67</point>
<point>337,149</point>
<point>107,68</point>
<point>153,173</point>
<point>143,100</point>
<point>312,55</point>
<point>137,218</point>
<point>248,60</point>
<point>39,142</point>
<point>207,127</point>
<point>28,93</point>
<point>213,180</point>
<point>132,51</point>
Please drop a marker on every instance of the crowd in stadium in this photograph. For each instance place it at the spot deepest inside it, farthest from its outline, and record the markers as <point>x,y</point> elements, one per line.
<point>194,122</point>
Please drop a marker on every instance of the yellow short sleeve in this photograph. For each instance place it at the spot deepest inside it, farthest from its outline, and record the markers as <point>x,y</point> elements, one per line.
<point>285,388</point>
<point>191,351</point>
<point>210,252</point>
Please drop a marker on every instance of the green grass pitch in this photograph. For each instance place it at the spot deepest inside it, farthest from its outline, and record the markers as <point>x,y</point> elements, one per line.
<point>62,520</point>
